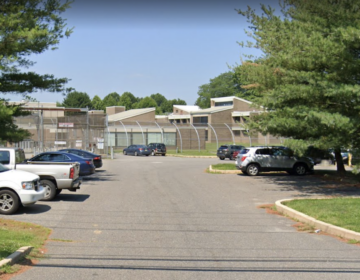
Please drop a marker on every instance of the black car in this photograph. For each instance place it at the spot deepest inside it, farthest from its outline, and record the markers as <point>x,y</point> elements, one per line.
<point>157,149</point>
<point>86,154</point>
<point>227,151</point>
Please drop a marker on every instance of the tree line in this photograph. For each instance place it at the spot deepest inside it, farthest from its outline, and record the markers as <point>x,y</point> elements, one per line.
<point>75,99</point>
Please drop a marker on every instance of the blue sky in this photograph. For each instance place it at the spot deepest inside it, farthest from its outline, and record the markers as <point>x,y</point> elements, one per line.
<point>146,47</point>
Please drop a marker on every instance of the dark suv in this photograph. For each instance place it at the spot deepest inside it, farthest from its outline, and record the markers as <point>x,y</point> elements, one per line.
<point>157,149</point>
<point>227,151</point>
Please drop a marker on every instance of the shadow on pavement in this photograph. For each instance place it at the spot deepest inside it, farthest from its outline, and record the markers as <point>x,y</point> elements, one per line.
<point>73,197</point>
<point>312,184</point>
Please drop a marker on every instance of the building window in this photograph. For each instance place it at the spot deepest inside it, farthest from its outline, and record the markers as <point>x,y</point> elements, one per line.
<point>226,103</point>
<point>237,133</point>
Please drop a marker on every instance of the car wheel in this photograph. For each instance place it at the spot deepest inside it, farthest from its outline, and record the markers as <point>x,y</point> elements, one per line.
<point>9,202</point>
<point>231,158</point>
<point>221,158</point>
<point>50,190</point>
<point>147,155</point>
<point>300,169</point>
<point>125,153</point>
<point>136,154</point>
<point>163,155</point>
<point>252,169</point>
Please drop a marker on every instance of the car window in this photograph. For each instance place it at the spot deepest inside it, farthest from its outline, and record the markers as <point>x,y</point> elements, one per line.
<point>223,147</point>
<point>265,151</point>
<point>45,157</point>
<point>19,156</point>
<point>59,157</point>
<point>4,157</point>
<point>244,151</point>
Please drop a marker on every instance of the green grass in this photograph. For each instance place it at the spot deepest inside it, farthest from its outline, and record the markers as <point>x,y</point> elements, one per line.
<point>14,235</point>
<point>342,212</point>
<point>224,166</point>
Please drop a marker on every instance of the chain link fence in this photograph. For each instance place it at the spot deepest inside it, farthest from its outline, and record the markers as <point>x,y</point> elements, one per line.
<point>92,132</point>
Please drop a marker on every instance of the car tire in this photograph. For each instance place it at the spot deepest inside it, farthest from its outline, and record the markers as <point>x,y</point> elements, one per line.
<point>230,157</point>
<point>300,169</point>
<point>136,154</point>
<point>125,153</point>
<point>9,202</point>
<point>252,169</point>
<point>163,155</point>
<point>147,155</point>
<point>50,190</point>
<point>221,158</point>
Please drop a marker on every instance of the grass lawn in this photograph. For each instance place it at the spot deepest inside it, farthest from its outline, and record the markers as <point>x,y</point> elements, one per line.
<point>342,212</point>
<point>224,166</point>
<point>14,234</point>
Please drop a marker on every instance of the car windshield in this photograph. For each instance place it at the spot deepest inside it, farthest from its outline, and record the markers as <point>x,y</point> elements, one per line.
<point>3,168</point>
<point>223,147</point>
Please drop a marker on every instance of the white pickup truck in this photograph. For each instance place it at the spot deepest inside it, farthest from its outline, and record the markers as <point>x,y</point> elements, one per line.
<point>18,188</point>
<point>54,177</point>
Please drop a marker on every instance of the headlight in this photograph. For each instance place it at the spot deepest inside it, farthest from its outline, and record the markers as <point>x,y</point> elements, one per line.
<point>27,185</point>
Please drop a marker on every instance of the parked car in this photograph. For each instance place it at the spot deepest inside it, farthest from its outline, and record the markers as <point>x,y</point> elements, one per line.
<point>18,188</point>
<point>85,154</point>
<point>87,166</point>
<point>54,177</point>
<point>157,149</point>
<point>253,160</point>
<point>227,151</point>
<point>137,150</point>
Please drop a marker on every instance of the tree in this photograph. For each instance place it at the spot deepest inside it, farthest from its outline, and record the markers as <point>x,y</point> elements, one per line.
<point>112,99</point>
<point>128,100</point>
<point>146,102</point>
<point>27,27</point>
<point>77,99</point>
<point>159,98</point>
<point>8,130</point>
<point>97,103</point>
<point>308,78</point>
<point>226,84</point>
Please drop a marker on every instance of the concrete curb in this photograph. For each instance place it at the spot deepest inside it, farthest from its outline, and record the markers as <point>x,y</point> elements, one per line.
<point>325,227</point>
<point>15,257</point>
<point>172,155</point>
<point>224,171</point>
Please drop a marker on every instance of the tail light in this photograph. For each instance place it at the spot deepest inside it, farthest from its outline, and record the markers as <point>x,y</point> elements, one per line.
<point>88,162</point>
<point>243,158</point>
<point>97,158</point>
<point>140,149</point>
<point>71,175</point>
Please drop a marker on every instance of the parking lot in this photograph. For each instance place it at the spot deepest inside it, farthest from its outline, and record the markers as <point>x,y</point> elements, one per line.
<point>166,218</point>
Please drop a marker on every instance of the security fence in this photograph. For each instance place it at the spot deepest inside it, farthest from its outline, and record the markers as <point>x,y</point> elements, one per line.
<point>93,132</point>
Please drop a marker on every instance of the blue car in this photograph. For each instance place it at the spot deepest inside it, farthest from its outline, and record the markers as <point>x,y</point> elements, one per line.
<point>87,166</point>
<point>137,150</point>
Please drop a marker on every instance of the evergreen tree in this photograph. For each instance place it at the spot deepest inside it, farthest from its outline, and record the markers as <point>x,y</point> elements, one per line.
<point>308,78</point>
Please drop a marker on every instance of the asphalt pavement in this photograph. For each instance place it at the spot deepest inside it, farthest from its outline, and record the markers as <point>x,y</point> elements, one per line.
<point>166,218</point>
